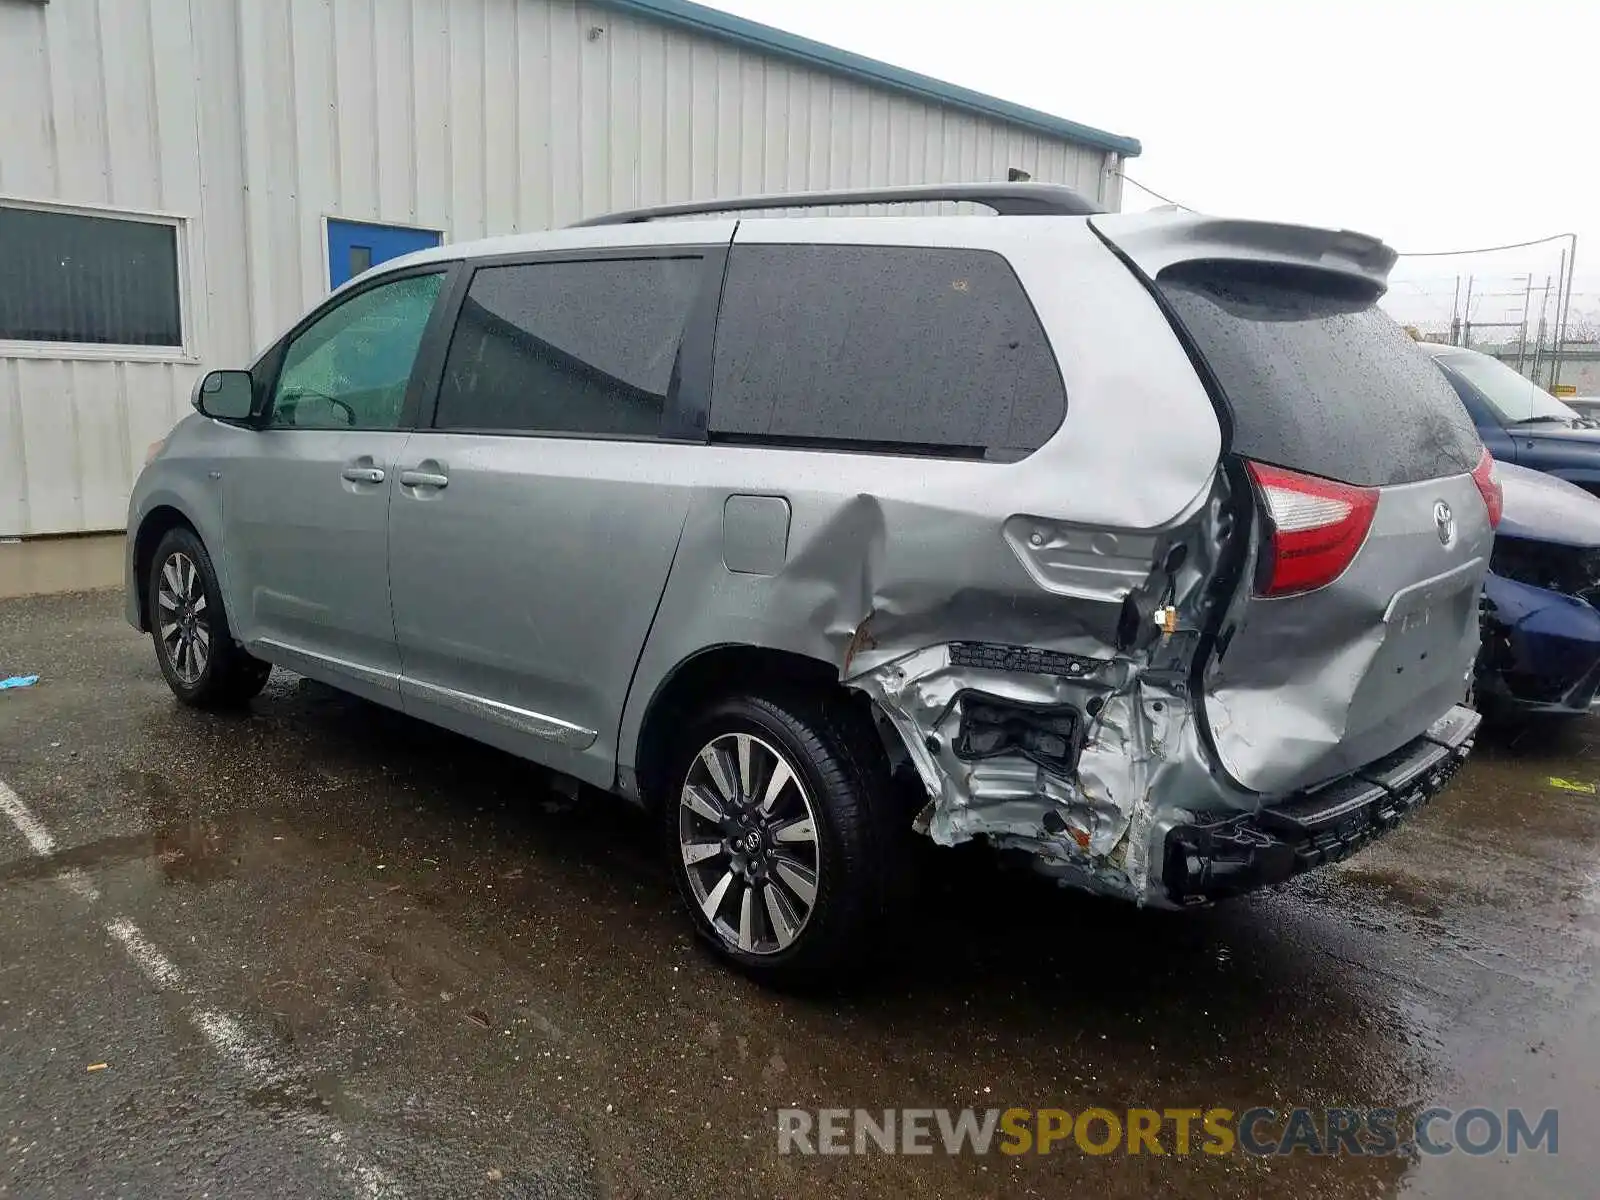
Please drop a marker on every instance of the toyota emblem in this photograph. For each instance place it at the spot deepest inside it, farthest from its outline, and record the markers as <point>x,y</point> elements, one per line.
<point>1444,522</point>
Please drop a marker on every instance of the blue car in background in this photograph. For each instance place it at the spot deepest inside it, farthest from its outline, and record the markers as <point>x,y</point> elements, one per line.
<point>1541,627</point>
<point>1518,420</point>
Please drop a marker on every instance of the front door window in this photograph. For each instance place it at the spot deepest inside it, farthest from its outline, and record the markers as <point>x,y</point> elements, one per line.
<point>350,369</point>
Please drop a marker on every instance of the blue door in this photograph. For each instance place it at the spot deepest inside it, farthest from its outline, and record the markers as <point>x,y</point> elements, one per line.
<point>353,246</point>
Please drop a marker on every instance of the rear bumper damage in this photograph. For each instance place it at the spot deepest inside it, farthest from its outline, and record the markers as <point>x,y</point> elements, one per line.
<point>1093,766</point>
<point>1082,743</point>
<point>1243,852</point>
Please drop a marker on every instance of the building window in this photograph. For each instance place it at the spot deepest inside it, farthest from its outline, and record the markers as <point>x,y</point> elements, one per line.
<point>89,278</point>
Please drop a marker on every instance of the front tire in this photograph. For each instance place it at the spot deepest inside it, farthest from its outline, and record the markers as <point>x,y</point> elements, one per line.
<point>195,649</point>
<point>781,833</point>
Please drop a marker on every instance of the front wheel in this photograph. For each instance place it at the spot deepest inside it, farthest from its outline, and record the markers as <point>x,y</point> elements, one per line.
<point>781,834</point>
<point>189,625</point>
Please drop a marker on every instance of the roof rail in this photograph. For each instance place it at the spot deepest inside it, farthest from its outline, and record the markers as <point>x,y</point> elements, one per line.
<point>1006,199</point>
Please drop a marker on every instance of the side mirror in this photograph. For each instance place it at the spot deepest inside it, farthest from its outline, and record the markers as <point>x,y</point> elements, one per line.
<point>226,395</point>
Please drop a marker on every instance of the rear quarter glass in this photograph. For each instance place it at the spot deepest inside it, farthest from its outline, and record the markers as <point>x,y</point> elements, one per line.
<point>883,346</point>
<point>1317,378</point>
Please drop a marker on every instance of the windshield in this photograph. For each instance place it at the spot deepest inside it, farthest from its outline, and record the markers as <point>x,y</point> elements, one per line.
<point>1513,397</point>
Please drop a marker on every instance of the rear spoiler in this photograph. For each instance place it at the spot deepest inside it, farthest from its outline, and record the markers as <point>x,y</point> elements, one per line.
<point>1156,241</point>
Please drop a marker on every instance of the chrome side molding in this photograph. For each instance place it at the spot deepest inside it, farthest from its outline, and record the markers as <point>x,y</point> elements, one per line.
<point>524,720</point>
<point>309,662</point>
<point>550,729</point>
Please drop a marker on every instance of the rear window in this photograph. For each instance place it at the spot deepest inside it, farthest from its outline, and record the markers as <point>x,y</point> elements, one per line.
<point>892,348</point>
<point>1318,379</point>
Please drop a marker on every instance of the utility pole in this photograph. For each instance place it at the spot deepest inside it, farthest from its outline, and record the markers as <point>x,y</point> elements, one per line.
<point>1522,336</point>
<point>1569,263</point>
<point>1564,308</point>
<point>1538,345</point>
<point>1455,313</point>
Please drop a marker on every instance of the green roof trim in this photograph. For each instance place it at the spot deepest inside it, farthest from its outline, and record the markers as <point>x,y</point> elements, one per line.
<point>726,26</point>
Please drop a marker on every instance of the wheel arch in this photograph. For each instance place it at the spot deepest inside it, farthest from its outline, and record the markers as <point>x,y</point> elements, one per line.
<point>155,525</point>
<point>723,670</point>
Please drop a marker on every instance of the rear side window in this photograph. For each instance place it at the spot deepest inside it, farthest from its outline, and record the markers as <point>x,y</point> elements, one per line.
<point>567,347</point>
<point>898,349</point>
<point>1318,378</point>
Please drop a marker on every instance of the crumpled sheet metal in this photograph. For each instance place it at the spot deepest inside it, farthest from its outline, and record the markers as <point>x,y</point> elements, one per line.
<point>878,578</point>
<point>1096,825</point>
<point>1009,794</point>
<point>881,584</point>
<point>1542,647</point>
<point>1314,688</point>
<point>1139,745</point>
<point>868,579</point>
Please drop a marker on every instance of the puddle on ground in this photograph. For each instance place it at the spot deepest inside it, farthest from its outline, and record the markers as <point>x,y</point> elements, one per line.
<point>187,847</point>
<point>198,852</point>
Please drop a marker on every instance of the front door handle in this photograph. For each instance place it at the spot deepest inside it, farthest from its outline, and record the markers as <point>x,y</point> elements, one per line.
<point>430,479</point>
<point>363,474</point>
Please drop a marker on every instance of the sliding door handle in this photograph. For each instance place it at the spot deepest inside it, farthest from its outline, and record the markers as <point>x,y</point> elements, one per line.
<point>428,479</point>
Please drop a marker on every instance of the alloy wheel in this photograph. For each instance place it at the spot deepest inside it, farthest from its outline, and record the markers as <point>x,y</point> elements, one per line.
<point>182,617</point>
<point>747,831</point>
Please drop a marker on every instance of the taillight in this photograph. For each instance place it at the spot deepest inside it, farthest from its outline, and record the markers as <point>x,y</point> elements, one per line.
<point>1488,481</point>
<point>1316,528</point>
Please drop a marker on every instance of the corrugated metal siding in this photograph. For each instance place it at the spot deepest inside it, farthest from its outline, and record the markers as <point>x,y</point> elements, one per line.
<point>255,121</point>
<point>119,103</point>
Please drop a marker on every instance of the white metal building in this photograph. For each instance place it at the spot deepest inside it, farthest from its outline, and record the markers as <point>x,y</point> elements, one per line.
<point>179,179</point>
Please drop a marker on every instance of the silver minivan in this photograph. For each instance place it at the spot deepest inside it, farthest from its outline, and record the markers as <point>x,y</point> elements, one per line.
<point>1145,545</point>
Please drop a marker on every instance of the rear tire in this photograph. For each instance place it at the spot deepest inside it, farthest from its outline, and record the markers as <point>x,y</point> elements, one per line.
<point>781,832</point>
<point>195,649</point>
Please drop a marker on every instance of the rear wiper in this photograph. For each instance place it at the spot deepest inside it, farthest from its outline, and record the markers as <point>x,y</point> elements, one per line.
<point>1545,417</point>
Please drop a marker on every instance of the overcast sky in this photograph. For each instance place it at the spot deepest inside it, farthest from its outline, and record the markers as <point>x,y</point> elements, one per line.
<point>1434,125</point>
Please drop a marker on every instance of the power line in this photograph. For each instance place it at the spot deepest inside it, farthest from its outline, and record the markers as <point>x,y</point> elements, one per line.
<point>1164,199</point>
<point>1569,268</point>
<point>1554,237</point>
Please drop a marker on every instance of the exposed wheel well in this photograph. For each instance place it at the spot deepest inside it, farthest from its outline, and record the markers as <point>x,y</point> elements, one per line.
<point>154,527</point>
<point>724,671</point>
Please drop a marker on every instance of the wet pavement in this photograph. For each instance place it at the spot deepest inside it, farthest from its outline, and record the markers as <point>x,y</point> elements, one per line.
<point>321,949</point>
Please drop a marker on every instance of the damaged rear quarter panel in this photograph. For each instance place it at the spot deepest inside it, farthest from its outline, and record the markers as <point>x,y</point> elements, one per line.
<point>891,560</point>
<point>1091,817</point>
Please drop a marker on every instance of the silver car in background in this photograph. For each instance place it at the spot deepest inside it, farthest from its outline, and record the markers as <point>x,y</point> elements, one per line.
<point>1145,545</point>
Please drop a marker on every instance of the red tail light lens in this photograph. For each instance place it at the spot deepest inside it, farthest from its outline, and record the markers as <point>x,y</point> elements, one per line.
<point>1488,481</point>
<point>1317,526</point>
